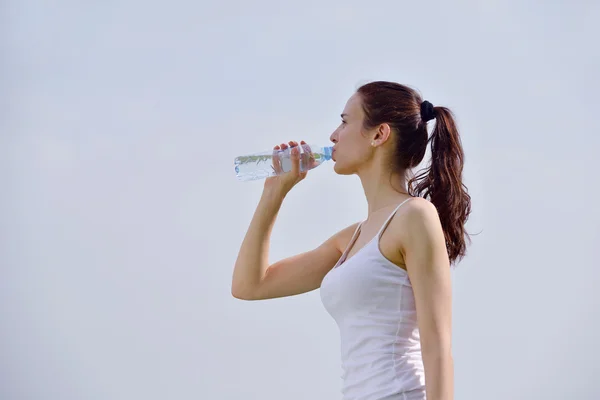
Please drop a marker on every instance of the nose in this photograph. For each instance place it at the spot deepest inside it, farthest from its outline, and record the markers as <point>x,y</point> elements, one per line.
<point>333,137</point>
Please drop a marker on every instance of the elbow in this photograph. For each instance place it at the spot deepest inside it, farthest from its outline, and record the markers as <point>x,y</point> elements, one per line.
<point>236,293</point>
<point>245,289</point>
<point>240,294</point>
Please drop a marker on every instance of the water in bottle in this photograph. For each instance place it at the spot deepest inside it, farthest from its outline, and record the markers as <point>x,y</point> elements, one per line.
<point>261,165</point>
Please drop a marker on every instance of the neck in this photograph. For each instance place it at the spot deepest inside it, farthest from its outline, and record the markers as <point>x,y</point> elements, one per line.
<point>382,188</point>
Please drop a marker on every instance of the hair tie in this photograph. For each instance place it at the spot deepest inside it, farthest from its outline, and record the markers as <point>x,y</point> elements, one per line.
<point>427,111</point>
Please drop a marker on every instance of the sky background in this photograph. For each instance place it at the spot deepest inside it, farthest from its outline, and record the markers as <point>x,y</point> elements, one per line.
<point>121,217</point>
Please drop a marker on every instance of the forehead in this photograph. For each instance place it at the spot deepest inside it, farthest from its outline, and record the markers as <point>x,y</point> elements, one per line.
<point>354,105</point>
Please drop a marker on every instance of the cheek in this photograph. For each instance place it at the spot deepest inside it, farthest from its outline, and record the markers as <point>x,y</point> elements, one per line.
<point>348,138</point>
<point>348,159</point>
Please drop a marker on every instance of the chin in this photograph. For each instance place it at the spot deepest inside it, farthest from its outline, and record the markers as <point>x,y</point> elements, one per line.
<point>340,170</point>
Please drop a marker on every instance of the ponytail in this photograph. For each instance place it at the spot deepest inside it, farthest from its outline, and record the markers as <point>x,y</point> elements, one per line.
<point>442,184</point>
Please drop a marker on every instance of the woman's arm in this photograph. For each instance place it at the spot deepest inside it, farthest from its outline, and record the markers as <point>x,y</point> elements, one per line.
<point>253,277</point>
<point>424,250</point>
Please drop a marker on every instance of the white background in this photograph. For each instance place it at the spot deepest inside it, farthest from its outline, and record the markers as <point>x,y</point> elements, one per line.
<point>121,216</point>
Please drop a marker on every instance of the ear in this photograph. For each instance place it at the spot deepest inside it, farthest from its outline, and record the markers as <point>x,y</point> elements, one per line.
<point>382,134</point>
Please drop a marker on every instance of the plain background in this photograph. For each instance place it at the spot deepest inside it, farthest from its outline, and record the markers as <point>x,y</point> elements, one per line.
<point>121,216</point>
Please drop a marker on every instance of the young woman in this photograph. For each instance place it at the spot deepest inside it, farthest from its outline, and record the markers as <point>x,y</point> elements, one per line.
<point>385,280</point>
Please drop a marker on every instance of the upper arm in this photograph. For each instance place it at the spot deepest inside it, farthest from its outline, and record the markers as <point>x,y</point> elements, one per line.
<point>428,267</point>
<point>303,272</point>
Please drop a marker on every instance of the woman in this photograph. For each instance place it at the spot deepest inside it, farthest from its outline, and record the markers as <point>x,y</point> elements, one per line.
<point>386,280</point>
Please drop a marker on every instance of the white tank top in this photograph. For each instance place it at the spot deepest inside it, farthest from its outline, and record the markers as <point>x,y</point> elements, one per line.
<point>372,301</point>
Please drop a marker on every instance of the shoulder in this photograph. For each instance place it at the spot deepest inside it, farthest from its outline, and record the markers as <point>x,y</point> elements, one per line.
<point>416,211</point>
<point>419,211</point>
<point>419,225</point>
<point>340,239</point>
<point>344,235</point>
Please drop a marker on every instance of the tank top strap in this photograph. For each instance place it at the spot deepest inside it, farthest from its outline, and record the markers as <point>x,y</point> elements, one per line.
<point>356,232</point>
<point>350,244</point>
<point>385,224</point>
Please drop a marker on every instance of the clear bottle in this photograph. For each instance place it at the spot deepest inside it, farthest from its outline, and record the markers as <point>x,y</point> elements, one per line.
<point>262,165</point>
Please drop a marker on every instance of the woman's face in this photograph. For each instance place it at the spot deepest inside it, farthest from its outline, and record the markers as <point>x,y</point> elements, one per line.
<point>352,146</point>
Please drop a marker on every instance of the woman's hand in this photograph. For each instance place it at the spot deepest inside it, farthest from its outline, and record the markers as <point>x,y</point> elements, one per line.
<point>283,182</point>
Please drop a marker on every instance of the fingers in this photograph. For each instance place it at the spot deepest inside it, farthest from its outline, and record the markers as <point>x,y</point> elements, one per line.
<point>277,157</point>
<point>295,157</point>
<point>304,159</point>
<point>276,160</point>
<point>308,159</point>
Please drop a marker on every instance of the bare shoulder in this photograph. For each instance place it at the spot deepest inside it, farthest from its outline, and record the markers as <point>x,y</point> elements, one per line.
<point>342,238</point>
<point>415,223</point>
<point>420,227</point>
<point>415,211</point>
<point>419,210</point>
<point>406,229</point>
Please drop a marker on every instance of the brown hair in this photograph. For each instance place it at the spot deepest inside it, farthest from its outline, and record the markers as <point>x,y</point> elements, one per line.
<point>441,182</point>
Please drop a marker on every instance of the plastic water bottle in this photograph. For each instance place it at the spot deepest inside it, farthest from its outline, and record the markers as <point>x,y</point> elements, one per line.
<point>261,165</point>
